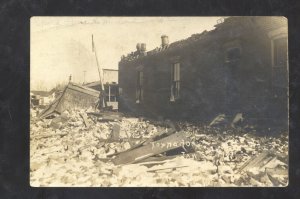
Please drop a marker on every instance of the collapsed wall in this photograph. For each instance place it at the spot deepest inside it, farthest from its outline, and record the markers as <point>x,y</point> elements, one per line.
<point>73,96</point>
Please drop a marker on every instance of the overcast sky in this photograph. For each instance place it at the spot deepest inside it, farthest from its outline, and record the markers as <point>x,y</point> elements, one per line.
<point>62,46</point>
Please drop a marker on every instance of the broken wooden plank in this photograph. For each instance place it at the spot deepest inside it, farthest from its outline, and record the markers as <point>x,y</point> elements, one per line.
<point>103,116</point>
<point>165,144</point>
<point>48,135</point>
<point>130,149</point>
<point>253,161</point>
<point>116,132</point>
<point>160,135</point>
<point>166,168</point>
<point>156,160</point>
<point>107,113</point>
<point>85,120</point>
<point>111,140</point>
<point>108,119</point>
<point>145,142</point>
<point>106,116</point>
<point>258,161</point>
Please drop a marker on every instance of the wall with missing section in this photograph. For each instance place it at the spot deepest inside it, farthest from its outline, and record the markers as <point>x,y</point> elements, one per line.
<point>230,69</point>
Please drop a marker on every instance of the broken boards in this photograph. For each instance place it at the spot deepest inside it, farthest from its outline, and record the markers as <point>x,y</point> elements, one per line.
<point>153,148</point>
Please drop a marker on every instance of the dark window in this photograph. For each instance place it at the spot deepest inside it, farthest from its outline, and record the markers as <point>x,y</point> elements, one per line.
<point>233,54</point>
<point>279,70</point>
<point>111,92</point>
<point>139,87</point>
<point>111,98</point>
<point>280,52</point>
<point>175,84</point>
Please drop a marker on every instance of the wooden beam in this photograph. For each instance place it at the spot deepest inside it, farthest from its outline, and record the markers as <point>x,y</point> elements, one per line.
<point>147,141</point>
<point>85,120</point>
<point>165,144</point>
<point>166,168</point>
<point>41,136</point>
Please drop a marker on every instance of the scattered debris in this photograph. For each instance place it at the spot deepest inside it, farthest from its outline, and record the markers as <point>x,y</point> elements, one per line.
<point>219,120</point>
<point>78,148</point>
<point>41,136</point>
<point>237,120</point>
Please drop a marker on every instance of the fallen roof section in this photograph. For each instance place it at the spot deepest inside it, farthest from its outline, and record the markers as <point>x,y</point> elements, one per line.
<point>73,96</point>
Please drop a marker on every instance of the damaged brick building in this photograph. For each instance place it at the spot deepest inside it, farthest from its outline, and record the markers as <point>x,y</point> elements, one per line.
<point>240,66</point>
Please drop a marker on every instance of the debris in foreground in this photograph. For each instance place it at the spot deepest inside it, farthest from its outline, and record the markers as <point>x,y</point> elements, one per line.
<point>82,151</point>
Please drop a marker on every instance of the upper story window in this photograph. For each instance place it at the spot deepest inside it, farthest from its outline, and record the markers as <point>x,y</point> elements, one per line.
<point>120,92</point>
<point>233,54</point>
<point>175,82</point>
<point>280,52</point>
<point>232,51</point>
<point>279,55</point>
<point>279,47</point>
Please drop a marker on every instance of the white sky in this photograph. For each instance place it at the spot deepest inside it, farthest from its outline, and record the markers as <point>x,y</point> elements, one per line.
<point>60,46</point>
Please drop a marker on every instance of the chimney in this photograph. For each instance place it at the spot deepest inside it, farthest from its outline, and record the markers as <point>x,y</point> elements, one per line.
<point>143,47</point>
<point>164,41</point>
<point>138,47</point>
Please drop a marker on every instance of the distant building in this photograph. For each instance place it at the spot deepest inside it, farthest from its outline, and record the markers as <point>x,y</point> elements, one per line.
<point>240,66</point>
<point>110,81</point>
<point>110,76</point>
<point>41,98</point>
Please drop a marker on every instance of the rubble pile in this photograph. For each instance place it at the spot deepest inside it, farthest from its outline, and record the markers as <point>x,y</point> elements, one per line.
<point>80,149</point>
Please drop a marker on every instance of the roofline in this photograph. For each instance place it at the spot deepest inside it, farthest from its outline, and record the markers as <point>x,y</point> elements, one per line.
<point>110,69</point>
<point>158,50</point>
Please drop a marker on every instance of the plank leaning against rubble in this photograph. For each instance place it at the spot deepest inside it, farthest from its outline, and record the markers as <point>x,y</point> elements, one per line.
<point>165,144</point>
<point>158,136</point>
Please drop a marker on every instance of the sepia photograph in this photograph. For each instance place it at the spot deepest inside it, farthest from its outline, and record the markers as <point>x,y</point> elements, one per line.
<point>159,101</point>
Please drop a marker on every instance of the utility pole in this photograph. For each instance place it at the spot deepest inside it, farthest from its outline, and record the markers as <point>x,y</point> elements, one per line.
<point>102,101</point>
<point>70,78</point>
